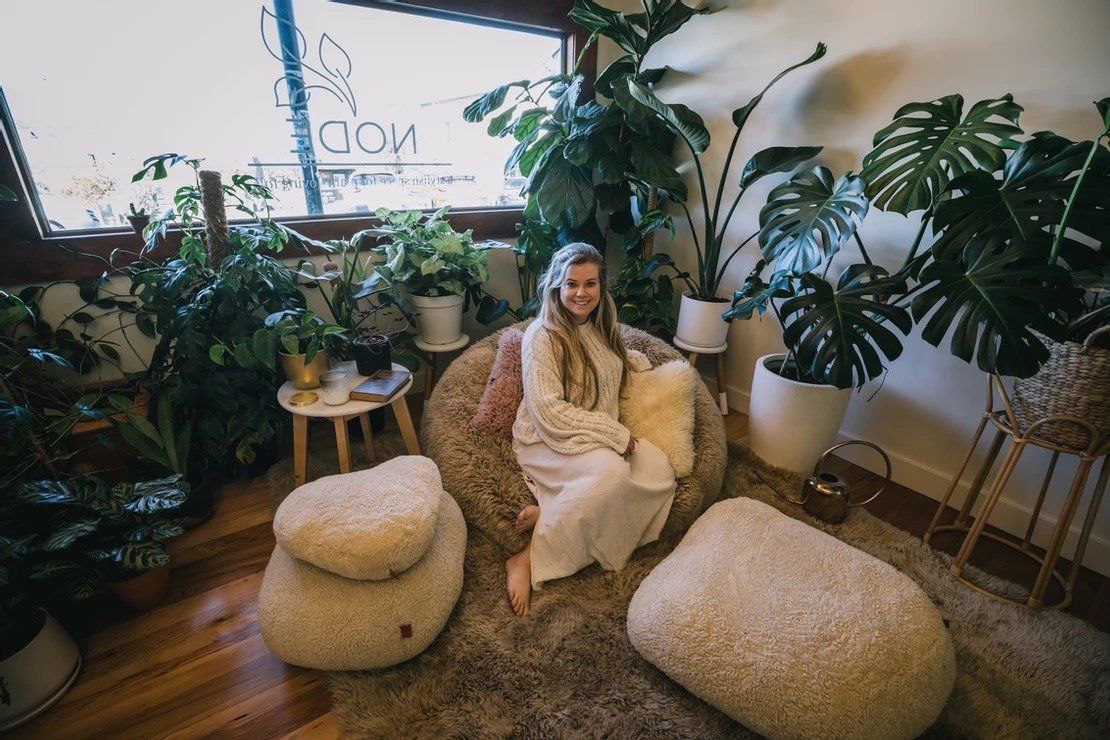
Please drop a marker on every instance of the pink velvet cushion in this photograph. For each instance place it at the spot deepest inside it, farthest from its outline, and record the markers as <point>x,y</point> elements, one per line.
<point>504,389</point>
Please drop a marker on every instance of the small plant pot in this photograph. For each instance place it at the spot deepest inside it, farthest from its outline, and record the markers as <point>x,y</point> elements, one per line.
<point>372,354</point>
<point>138,223</point>
<point>790,423</point>
<point>700,324</point>
<point>38,674</point>
<point>305,376</point>
<point>439,318</point>
<point>145,591</point>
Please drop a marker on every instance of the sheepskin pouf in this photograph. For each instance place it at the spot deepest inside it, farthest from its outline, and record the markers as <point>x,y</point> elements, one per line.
<point>319,619</point>
<point>480,470</point>
<point>370,524</point>
<point>792,632</point>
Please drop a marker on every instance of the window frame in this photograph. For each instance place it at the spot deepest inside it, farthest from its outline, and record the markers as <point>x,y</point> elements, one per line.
<point>29,257</point>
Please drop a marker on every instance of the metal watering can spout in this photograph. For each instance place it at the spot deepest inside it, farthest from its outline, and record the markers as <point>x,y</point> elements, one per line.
<point>825,495</point>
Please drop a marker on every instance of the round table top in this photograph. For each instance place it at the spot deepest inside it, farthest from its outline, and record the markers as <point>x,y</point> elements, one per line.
<point>459,343</point>
<point>352,407</point>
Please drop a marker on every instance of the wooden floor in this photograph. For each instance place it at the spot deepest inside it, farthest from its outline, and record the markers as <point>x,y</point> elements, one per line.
<point>197,667</point>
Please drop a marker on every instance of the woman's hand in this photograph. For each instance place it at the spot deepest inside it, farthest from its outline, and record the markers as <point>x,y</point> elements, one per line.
<point>631,446</point>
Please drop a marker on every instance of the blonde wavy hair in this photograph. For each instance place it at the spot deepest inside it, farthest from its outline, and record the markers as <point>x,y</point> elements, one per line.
<point>577,371</point>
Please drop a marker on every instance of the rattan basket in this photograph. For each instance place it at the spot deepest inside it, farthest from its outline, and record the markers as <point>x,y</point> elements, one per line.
<point>1074,382</point>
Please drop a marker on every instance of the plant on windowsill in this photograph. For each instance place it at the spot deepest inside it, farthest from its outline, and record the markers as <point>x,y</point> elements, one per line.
<point>138,218</point>
<point>441,269</point>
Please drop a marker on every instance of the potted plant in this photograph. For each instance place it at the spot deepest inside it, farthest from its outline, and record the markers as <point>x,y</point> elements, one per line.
<point>440,268</point>
<point>138,218</point>
<point>302,340</point>
<point>591,171</point>
<point>701,324</point>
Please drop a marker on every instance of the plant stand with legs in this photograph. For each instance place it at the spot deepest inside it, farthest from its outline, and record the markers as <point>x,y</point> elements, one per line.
<point>719,351</point>
<point>434,350</point>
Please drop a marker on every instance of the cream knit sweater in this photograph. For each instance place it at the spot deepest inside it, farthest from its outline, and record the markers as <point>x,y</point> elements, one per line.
<point>546,416</point>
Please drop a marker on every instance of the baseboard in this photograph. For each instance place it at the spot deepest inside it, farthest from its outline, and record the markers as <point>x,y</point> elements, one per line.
<point>1009,515</point>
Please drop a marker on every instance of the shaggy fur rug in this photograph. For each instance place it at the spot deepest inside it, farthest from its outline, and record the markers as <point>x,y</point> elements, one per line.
<point>569,670</point>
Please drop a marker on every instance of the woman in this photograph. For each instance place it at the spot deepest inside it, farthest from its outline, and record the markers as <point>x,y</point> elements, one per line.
<point>601,492</point>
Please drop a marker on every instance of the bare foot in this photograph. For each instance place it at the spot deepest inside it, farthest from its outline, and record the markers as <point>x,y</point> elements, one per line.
<point>518,581</point>
<point>526,519</point>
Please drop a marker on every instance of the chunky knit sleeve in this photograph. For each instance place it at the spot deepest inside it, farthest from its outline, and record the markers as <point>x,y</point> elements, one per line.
<point>564,427</point>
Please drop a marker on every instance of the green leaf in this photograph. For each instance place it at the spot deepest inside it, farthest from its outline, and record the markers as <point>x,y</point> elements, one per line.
<point>667,16</point>
<point>609,23</point>
<point>529,122</point>
<point>141,556</point>
<point>66,535</point>
<point>755,296</point>
<point>53,569</point>
<point>51,492</point>
<point>264,346</point>
<point>776,159</point>
<point>165,429</point>
<point>991,297</point>
<point>291,344</point>
<point>657,168</point>
<point>1103,107</point>
<point>928,144</point>
<point>566,195</point>
<point>640,102</point>
<point>577,152</point>
<point>740,115</point>
<point>838,335</point>
<point>154,495</point>
<point>82,587</point>
<point>624,66</point>
<point>156,531</point>
<point>808,218</point>
<point>15,547</point>
<point>500,123</point>
<point>216,353</point>
<point>1027,204</point>
<point>490,102</point>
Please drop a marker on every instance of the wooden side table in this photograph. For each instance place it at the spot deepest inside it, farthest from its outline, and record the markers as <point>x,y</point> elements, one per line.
<point>435,350</point>
<point>340,415</point>
<point>722,395</point>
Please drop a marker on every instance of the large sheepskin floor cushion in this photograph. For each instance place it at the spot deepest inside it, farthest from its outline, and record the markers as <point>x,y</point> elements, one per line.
<point>314,618</point>
<point>481,472</point>
<point>793,632</point>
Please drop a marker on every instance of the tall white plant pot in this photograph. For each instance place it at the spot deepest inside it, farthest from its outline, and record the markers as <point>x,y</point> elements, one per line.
<point>700,324</point>
<point>439,318</point>
<point>790,423</point>
<point>38,675</point>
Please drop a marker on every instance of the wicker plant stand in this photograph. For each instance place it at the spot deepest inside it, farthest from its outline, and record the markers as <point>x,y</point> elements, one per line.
<point>1006,425</point>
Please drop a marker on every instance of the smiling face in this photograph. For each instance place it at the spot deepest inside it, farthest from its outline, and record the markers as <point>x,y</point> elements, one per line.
<point>581,290</point>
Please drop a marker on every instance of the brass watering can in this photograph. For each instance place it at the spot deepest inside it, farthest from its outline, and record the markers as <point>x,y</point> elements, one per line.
<point>825,495</point>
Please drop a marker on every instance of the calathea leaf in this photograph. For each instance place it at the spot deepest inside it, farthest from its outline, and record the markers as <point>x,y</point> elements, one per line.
<point>808,218</point>
<point>1028,203</point>
<point>917,155</point>
<point>66,535</point>
<point>48,492</point>
<point>566,195</point>
<point>991,298</point>
<point>838,335</point>
<point>150,496</point>
<point>52,569</point>
<point>141,556</point>
<point>776,159</point>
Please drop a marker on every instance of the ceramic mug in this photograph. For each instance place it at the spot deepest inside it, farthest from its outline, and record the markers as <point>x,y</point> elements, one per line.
<point>337,390</point>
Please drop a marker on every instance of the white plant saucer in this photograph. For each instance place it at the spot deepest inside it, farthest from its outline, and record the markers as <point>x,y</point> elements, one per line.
<point>700,350</point>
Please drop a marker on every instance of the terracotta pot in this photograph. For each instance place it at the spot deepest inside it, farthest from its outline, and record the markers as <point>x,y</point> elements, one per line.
<point>145,591</point>
<point>138,223</point>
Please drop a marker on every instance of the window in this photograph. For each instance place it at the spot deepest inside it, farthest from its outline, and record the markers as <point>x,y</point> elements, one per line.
<point>340,108</point>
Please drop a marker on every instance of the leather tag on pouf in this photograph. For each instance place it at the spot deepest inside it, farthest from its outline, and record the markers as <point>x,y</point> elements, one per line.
<point>406,631</point>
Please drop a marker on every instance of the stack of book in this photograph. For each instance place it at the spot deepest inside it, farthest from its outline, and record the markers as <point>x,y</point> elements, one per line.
<point>381,386</point>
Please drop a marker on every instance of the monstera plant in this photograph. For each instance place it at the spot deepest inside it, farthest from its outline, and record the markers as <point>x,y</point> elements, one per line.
<point>1017,257</point>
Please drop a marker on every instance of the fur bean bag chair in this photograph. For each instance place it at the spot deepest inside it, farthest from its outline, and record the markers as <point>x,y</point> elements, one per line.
<point>792,632</point>
<point>480,470</point>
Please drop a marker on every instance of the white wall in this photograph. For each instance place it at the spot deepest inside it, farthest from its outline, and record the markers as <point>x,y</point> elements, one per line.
<point>1053,57</point>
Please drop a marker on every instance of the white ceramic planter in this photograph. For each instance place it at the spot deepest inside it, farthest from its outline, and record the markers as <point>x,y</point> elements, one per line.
<point>439,318</point>
<point>38,675</point>
<point>700,324</point>
<point>790,423</point>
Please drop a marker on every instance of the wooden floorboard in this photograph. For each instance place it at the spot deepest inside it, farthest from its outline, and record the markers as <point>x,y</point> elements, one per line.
<point>196,666</point>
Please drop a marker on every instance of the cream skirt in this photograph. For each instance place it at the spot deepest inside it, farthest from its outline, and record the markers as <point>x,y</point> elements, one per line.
<point>594,507</point>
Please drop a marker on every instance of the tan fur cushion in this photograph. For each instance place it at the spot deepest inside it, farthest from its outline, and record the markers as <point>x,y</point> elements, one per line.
<point>481,472</point>
<point>792,632</point>
<point>370,524</point>
<point>658,405</point>
<point>313,618</point>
